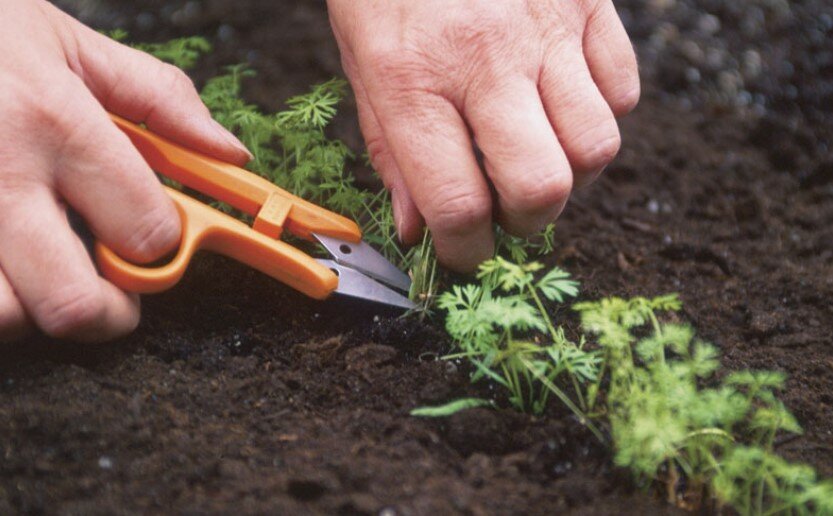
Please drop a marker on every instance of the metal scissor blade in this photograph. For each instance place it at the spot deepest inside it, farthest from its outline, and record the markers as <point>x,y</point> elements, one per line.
<point>363,258</point>
<point>355,284</point>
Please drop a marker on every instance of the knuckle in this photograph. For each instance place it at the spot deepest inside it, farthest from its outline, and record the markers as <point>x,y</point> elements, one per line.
<point>591,8</point>
<point>385,59</point>
<point>177,79</point>
<point>38,108</point>
<point>14,189</point>
<point>62,127</point>
<point>174,85</point>
<point>459,212</point>
<point>377,151</point>
<point>156,233</point>
<point>623,88</point>
<point>592,152</point>
<point>465,45</point>
<point>70,310</point>
<point>480,47</point>
<point>484,30</point>
<point>604,151</point>
<point>400,70</point>
<point>628,98</point>
<point>539,192</point>
<point>382,58</point>
<point>382,160</point>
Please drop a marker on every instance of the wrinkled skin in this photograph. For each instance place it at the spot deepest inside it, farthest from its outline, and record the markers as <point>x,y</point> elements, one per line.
<point>537,84</point>
<point>58,148</point>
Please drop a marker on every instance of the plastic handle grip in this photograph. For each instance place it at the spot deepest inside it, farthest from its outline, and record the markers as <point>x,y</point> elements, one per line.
<point>206,228</point>
<point>237,187</point>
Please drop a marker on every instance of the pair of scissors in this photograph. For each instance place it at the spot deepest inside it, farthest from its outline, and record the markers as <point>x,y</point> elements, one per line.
<point>355,269</point>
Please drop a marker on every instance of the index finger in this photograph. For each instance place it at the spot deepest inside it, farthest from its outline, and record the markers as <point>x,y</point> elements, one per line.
<point>431,144</point>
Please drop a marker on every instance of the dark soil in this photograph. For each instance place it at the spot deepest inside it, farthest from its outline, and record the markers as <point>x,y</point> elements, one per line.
<point>239,395</point>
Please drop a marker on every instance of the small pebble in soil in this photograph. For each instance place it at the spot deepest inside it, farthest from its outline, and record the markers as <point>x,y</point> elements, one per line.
<point>105,462</point>
<point>730,82</point>
<point>715,58</point>
<point>225,33</point>
<point>692,75</point>
<point>692,51</point>
<point>562,468</point>
<point>661,5</point>
<point>744,98</point>
<point>752,64</point>
<point>145,21</point>
<point>709,24</point>
<point>189,14</point>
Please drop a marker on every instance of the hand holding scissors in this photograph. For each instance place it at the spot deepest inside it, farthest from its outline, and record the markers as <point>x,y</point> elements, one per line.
<point>355,268</point>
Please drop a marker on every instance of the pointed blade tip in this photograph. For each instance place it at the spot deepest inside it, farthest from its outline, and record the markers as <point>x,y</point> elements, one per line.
<point>353,283</point>
<point>364,258</point>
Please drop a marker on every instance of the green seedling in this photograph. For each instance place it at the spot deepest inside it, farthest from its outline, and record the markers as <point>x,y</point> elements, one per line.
<point>181,52</point>
<point>666,425</point>
<point>753,480</point>
<point>503,329</point>
<point>649,383</point>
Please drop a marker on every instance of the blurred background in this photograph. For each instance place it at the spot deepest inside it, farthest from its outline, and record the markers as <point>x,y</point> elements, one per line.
<point>754,56</point>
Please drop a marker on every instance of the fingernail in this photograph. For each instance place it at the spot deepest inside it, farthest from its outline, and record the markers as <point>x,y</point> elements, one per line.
<point>397,214</point>
<point>230,138</point>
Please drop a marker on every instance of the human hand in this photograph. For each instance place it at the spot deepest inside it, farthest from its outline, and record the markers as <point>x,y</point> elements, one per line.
<point>537,83</point>
<point>59,149</point>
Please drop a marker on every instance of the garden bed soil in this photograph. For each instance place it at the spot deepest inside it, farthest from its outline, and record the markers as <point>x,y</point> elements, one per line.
<point>239,395</point>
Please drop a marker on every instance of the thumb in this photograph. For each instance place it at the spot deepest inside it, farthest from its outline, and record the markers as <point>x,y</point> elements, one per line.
<point>143,89</point>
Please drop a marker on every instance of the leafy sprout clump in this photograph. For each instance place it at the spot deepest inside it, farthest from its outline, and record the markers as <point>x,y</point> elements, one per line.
<point>715,441</point>
<point>645,386</point>
<point>181,52</point>
<point>502,328</point>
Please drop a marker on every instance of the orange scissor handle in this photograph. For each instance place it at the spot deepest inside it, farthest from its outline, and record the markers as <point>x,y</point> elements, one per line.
<point>273,208</point>
<point>205,228</point>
